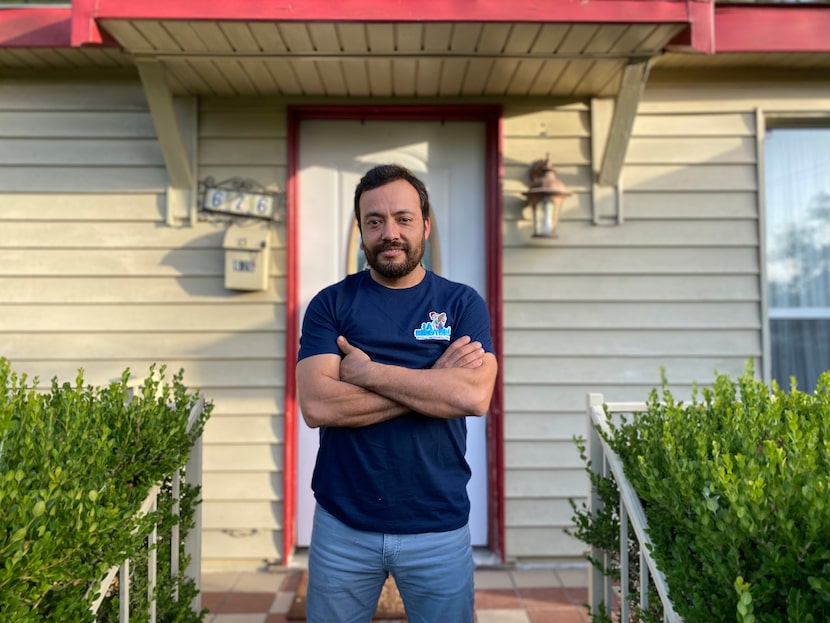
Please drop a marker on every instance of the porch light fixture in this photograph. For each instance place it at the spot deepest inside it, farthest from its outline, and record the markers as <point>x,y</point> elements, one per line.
<point>545,196</point>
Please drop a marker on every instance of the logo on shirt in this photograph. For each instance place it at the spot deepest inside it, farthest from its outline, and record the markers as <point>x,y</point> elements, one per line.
<point>435,329</point>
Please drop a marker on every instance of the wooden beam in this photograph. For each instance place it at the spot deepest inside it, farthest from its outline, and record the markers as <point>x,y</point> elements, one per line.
<point>634,79</point>
<point>177,157</point>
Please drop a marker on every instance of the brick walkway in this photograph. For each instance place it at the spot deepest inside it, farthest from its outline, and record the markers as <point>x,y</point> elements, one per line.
<point>548,595</point>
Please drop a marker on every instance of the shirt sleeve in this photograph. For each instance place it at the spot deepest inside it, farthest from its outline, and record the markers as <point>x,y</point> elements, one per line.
<point>475,321</point>
<point>320,328</point>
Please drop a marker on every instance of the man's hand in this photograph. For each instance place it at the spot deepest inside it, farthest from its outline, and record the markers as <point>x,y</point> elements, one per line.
<point>464,373</point>
<point>354,365</point>
<point>462,353</point>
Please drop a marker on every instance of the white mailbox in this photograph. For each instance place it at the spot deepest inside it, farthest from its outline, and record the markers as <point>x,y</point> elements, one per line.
<point>247,256</point>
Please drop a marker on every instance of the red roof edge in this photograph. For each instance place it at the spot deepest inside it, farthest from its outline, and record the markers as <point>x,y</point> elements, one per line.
<point>42,27</point>
<point>52,27</point>
<point>763,28</point>
<point>700,35</point>
<point>84,29</point>
<point>548,11</point>
<point>780,28</point>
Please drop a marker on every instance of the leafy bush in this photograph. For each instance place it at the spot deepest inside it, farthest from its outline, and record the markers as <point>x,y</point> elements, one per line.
<point>76,463</point>
<point>735,487</point>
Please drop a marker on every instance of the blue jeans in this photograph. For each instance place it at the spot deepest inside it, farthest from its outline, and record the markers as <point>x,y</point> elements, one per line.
<point>347,569</point>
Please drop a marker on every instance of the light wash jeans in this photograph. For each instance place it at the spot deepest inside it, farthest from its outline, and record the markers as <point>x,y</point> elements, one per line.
<point>347,569</point>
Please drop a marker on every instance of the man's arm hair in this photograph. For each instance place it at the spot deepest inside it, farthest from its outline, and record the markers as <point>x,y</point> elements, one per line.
<point>326,399</point>
<point>443,392</point>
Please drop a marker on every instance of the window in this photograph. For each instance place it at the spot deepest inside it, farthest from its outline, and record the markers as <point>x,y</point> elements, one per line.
<point>797,180</point>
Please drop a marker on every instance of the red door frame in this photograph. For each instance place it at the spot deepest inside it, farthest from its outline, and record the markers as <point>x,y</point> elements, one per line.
<point>491,116</point>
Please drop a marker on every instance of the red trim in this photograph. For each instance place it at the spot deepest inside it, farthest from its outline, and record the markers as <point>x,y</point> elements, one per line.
<point>35,28</point>
<point>791,28</point>
<point>292,339</point>
<point>85,30</point>
<point>756,29</point>
<point>491,116</point>
<point>555,11</point>
<point>712,29</point>
<point>495,422</point>
<point>700,35</point>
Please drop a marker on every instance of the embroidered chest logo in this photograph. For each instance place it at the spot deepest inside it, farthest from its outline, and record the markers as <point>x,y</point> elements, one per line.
<point>435,329</point>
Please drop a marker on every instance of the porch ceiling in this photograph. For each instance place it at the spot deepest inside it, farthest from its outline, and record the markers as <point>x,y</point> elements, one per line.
<point>406,59</point>
<point>366,59</point>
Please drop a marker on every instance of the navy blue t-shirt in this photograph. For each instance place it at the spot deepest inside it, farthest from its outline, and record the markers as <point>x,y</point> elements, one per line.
<point>408,474</point>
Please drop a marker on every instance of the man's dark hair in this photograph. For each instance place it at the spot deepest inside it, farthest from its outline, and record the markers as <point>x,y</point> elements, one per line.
<point>384,174</point>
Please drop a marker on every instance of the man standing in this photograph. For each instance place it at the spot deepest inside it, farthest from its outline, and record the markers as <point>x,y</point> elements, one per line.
<point>391,361</point>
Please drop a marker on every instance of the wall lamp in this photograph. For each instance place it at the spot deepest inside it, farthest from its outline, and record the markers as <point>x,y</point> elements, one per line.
<point>545,196</point>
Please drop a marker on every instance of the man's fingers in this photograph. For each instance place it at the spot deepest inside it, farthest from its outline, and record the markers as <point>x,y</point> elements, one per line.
<point>462,353</point>
<point>343,345</point>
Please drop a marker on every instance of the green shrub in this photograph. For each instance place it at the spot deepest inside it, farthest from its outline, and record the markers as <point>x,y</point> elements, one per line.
<point>76,463</point>
<point>735,487</point>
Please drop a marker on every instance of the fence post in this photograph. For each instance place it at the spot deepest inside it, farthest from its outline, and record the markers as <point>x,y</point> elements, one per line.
<point>596,581</point>
<point>193,543</point>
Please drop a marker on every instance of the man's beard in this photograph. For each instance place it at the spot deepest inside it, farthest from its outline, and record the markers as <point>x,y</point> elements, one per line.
<point>395,269</point>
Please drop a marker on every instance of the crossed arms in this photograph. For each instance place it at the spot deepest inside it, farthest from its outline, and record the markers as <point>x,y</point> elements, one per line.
<point>356,391</point>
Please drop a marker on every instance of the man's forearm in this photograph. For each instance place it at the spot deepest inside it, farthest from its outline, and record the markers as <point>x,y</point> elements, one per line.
<point>443,393</point>
<point>460,383</point>
<point>325,400</point>
<point>350,406</point>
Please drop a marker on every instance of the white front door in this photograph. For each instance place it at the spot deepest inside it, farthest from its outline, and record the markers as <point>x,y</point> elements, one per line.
<point>449,158</point>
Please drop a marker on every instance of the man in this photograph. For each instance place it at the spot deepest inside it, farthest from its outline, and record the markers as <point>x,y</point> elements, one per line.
<point>391,361</point>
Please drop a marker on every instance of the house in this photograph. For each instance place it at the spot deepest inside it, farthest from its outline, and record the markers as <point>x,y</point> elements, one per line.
<point>130,131</point>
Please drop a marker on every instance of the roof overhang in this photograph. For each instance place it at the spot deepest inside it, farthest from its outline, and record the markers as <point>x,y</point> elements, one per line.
<point>559,48</point>
<point>419,50</point>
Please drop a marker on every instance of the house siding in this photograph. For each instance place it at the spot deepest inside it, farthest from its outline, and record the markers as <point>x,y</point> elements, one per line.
<point>673,284</point>
<point>244,439</point>
<point>92,276</point>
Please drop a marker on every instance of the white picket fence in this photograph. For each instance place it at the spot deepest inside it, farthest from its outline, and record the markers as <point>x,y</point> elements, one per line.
<point>605,461</point>
<point>192,545</point>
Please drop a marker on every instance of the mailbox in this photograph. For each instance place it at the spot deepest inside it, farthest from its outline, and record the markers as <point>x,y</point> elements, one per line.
<point>247,256</point>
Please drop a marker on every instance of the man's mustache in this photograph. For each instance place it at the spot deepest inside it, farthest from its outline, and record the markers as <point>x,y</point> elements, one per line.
<point>391,245</point>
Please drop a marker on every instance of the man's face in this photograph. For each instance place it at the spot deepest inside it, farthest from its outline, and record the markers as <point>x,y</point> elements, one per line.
<point>393,229</point>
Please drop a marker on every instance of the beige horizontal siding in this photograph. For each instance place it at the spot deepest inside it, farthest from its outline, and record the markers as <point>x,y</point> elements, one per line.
<point>537,258</point>
<point>669,205</point>
<point>204,289</point>
<point>244,455</point>
<point>253,486</point>
<point>172,345</point>
<point>565,404</point>
<point>674,287</point>
<point>233,428</point>
<point>37,207</point>
<point>611,288</point>
<point>593,342</point>
<point>653,233</point>
<point>52,124</point>
<point>137,262</point>
<point>634,315</point>
<point>230,515</point>
<point>93,277</point>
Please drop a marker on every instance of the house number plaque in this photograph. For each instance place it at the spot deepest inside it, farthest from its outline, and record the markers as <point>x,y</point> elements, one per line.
<point>239,197</point>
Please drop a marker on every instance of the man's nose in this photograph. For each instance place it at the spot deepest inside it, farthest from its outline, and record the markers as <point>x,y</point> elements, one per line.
<point>391,231</point>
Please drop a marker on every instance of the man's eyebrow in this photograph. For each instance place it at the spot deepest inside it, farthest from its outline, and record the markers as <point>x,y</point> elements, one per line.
<point>398,212</point>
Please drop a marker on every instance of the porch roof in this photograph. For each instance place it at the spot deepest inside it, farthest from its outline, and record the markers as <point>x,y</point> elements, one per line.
<point>397,48</point>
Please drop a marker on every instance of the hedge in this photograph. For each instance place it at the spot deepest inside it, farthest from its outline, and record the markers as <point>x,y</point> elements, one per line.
<point>76,463</point>
<point>735,487</point>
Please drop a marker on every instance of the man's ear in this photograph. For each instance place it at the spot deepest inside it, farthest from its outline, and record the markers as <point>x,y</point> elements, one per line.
<point>427,228</point>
